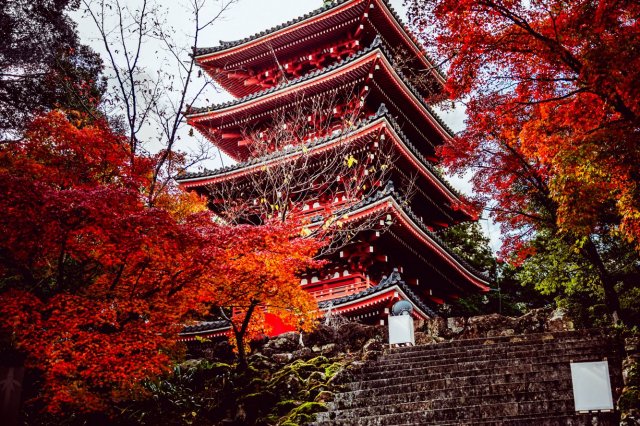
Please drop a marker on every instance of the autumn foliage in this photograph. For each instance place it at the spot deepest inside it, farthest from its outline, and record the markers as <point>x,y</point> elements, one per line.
<point>553,104</point>
<point>257,275</point>
<point>553,128</point>
<point>96,283</point>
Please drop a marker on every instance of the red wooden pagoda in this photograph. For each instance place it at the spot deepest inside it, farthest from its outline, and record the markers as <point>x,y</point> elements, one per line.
<point>349,49</point>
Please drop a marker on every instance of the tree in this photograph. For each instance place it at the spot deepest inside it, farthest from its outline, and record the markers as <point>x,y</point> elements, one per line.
<point>148,100</point>
<point>94,284</point>
<point>552,126</point>
<point>508,297</point>
<point>257,274</point>
<point>43,65</point>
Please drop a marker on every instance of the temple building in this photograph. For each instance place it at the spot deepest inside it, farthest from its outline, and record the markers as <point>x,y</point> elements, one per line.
<point>332,125</point>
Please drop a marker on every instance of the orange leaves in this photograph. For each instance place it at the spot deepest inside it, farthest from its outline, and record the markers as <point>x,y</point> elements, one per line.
<point>96,284</point>
<point>260,264</point>
<point>553,104</point>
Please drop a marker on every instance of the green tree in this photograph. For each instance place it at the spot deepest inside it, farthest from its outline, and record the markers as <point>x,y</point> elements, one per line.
<point>43,65</point>
<point>508,295</point>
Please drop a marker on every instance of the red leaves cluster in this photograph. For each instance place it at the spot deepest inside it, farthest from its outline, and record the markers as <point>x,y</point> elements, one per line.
<point>260,266</point>
<point>553,105</point>
<point>96,284</point>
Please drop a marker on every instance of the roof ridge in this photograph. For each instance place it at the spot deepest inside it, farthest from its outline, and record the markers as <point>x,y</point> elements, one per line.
<point>382,112</point>
<point>377,43</point>
<point>311,143</point>
<point>389,190</point>
<point>387,281</point>
<point>200,51</point>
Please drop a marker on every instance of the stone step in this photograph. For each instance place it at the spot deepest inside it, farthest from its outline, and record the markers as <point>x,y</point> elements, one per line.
<point>509,380</point>
<point>488,347</point>
<point>354,399</point>
<point>413,414</point>
<point>397,403</point>
<point>533,337</point>
<point>601,419</point>
<point>453,364</point>
<point>451,383</point>
<point>576,419</point>
<point>438,405</point>
<point>534,370</point>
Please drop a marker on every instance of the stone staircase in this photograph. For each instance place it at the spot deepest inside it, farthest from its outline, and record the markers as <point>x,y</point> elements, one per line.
<point>511,380</point>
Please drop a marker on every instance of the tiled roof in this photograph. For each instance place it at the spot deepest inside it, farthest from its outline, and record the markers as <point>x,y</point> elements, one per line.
<point>382,112</point>
<point>276,154</point>
<point>377,43</point>
<point>386,282</point>
<point>199,51</point>
<point>389,191</point>
<point>392,280</point>
<point>206,326</point>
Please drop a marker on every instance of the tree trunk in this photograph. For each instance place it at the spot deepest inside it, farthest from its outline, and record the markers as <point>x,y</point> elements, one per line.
<point>608,281</point>
<point>240,334</point>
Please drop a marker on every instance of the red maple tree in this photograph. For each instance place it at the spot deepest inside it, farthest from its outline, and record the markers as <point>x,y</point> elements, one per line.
<point>95,282</point>
<point>553,115</point>
<point>257,275</point>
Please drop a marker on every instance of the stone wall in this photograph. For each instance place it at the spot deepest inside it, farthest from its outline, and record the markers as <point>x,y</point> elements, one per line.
<point>438,330</point>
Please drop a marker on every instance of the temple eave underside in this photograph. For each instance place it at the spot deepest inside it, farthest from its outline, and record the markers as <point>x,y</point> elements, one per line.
<point>368,78</point>
<point>340,25</point>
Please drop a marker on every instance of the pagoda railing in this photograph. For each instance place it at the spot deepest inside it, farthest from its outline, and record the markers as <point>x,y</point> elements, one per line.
<point>338,287</point>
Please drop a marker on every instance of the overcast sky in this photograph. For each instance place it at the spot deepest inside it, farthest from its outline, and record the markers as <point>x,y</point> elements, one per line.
<point>244,18</point>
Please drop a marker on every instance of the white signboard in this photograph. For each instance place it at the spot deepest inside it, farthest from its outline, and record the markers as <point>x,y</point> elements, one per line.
<point>591,386</point>
<point>401,330</point>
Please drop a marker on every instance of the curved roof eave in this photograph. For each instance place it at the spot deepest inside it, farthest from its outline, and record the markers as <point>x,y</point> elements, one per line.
<point>392,282</point>
<point>283,88</point>
<point>336,5</point>
<point>388,196</point>
<point>444,186</point>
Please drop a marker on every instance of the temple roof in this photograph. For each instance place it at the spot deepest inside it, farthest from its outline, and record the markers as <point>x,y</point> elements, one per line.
<point>224,45</point>
<point>389,195</point>
<point>292,151</point>
<point>337,6</point>
<point>393,280</point>
<point>206,327</point>
<point>375,45</point>
<point>388,283</point>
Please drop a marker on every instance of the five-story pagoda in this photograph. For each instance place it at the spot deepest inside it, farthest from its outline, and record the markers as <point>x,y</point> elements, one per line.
<point>329,128</point>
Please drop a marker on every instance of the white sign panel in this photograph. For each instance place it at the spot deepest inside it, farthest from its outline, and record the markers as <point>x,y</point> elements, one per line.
<point>591,386</point>
<point>401,330</point>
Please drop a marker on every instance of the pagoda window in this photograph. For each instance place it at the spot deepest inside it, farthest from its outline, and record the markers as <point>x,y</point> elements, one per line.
<point>336,275</point>
<point>314,279</point>
<point>303,281</point>
<point>346,273</point>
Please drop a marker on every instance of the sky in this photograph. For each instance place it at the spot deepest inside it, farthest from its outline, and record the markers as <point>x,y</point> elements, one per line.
<point>242,19</point>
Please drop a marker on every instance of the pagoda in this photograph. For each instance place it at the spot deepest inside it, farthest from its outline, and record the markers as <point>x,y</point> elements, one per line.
<point>378,123</point>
